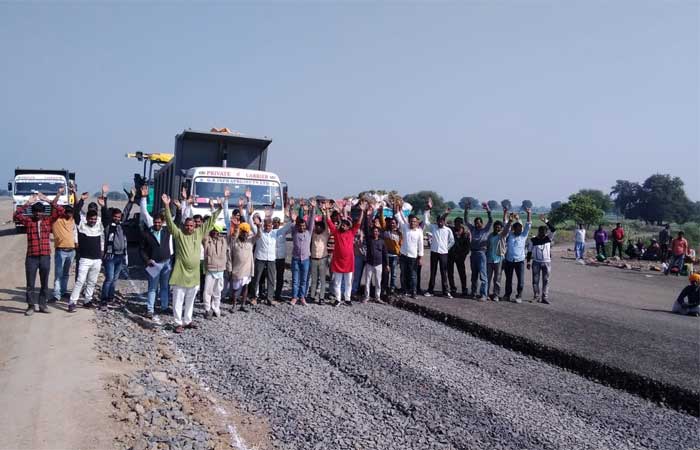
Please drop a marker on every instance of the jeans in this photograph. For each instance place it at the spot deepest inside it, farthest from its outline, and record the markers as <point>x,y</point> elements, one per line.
<point>393,261</point>
<point>545,269</point>
<point>319,269</point>
<point>88,271</point>
<point>357,275</point>
<point>675,261</point>
<point>494,277</point>
<point>183,304</point>
<point>279,276</point>
<point>617,245</point>
<point>600,249</point>
<point>452,261</point>
<point>300,275</point>
<point>435,260</point>
<point>344,279</point>
<point>62,261</point>
<point>267,268</point>
<point>580,249</point>
<point>160,280</point>
<point>477,261</point>
<point>32,264</point>
<point>408,274</point>
<point>519,268</point>
<point>113,265</point>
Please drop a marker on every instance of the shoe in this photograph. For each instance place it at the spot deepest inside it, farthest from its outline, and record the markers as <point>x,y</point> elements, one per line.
<point>482,298</point>
<point>44,309</point>
<point>88,305</point>
<point>71,308</point>
<point>545,301</point>
<point>365,300</point>
<point>243,309</point>
<point>413,295</point>
<point>179,329</point>
<point>29,311</point>
<point>293,301</point>
<point>506,298</point>
<point>517,300</point>
<point>149,315</point>
<point>379,300</point>
<point>303,301</point>
<point>427,294</point>
<point>496,299</point>
<point>208,315</point>
<point>52,300</point>
<point>448,295</point>
<point>191,326</point>
<point>335,303</point>
<point>535,298</point>
<point>347,303</point>
<point>103,307</point>
<point>269,303</point>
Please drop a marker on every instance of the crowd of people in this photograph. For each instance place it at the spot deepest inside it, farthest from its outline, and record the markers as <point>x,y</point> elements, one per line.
<point>370,255</point>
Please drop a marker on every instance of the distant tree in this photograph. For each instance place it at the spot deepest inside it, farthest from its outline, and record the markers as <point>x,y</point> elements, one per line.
<point>468,203</point>
<point>450,204</point>
<point>525,204</point>
<point>601,199</point>
<point>555,205</point>
<point>627,196</point>
<point>663,198</point>
<point>493,205</point>
<point>580,209</point>
<point>506,204</point>
<point>419,201</point>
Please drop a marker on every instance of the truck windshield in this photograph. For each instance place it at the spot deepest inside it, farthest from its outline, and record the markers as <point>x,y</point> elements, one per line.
<point>263,193</point>
<point>29,187</point>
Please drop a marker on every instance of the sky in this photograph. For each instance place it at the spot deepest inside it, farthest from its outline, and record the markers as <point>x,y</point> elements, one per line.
<point>507,99</point>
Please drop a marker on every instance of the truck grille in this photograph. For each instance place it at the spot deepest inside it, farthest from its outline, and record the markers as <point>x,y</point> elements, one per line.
<point>28,212</point>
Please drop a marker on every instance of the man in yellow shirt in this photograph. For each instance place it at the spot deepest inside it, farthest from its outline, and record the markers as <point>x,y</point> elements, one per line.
<point>65,236</point>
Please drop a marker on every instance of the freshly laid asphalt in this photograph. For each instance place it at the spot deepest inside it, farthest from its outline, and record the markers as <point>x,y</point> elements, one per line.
<point>611,324</point>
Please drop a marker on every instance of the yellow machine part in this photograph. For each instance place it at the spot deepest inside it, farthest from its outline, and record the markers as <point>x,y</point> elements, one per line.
<point>162,158</point>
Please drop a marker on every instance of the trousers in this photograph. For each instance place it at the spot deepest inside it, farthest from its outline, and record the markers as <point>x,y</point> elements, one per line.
<point>519,268</point>
<point>346,280</point>
<point>183,304</point>
<point>62,260</point>
<point>373,274</point>
<point>438,259</point>
<point>213,286</point>
<point>42,264</point>
<point>319,270</point>
<point>268,268</point>
<point>494,278</point>
<point>541,270</point>
<point>88,271</point>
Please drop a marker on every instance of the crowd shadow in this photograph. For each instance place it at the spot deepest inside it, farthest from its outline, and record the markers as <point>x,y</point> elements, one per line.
<point>666,311</point>
<point>8,232</point>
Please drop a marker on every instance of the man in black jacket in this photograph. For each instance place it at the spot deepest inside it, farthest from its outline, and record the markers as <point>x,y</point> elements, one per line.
<point>115,246</point>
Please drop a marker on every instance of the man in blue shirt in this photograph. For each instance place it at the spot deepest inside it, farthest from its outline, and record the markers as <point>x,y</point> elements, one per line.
<point>515,257</point>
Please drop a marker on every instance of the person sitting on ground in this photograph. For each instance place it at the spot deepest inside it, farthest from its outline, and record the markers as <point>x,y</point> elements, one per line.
<point>240,262</point>
<point>343,263</point>
<point>631,251</point>
<point>184,279</point>
<point>540,253</point>
<point>515,257</point>
<point>692,294</point>
<point>679,249</point>
<point>653,252</point>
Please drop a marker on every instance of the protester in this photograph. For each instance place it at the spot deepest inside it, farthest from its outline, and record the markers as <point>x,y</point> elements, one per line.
<point>375,264</point>
<point>319,259</point>
<point>618,235</point>
<point>457,256</point>
<point>241,261</point>
<point>664,241</point>
<point>679,249</point>
<point>91,243</point>
<point>411,250</point>
<point>216,261</point>
<point>38,256</point>
<point>114,255</point>
<point>479,244</point>
<point>185,275</point>
<point>343,262</point>
<point>280,254</point>
<point>632,251</point>
<point>301,252</point>
<point>65,236</point>
<point>495,252</point>
<point>392,240</point>
<point>156,251</point>
<point>359,248</point>
<point>692,294</point>
<point>540,253</point>
<point>580,242</point>
<point>443,240</point>
<point>653,252</point>
<point>515,257</point>
<point>601,238</point>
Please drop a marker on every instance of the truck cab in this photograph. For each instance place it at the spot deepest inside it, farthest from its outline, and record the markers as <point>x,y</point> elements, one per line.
<point>28,182</point>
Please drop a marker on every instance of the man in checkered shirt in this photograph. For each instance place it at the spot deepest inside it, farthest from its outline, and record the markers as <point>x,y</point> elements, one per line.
<point>38,258</point>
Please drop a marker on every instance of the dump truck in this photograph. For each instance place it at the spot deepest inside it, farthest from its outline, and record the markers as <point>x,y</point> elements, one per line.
<point>28,182</point>
<point>205,163</point>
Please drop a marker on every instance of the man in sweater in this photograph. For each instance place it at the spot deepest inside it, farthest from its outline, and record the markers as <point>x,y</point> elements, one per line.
<point>580,242</point>
<point>440,245</point>
<point>91,242</point>
<point>216,256</point>
<point>540,253</point>
<point>618,235</point>
<point>185,276</point>
<point>515,257</point>
<point>64,236</point>
<point>301,253</point>
<point>479,245</point>
<point>411,250</point>
<point>38,257</point>
<point>495,252</point>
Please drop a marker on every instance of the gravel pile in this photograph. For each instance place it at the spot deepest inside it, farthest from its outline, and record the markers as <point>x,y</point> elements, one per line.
<point>375,377</point>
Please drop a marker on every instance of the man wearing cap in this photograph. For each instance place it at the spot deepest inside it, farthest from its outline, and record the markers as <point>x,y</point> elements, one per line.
<point>216,255</point>
<point>185,276</point>
<point>692,294</point>
<point>156,250</point>
<point>38,256</point>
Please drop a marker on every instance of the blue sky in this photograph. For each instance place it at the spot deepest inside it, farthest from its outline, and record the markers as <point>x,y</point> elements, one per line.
<point>495,100</point>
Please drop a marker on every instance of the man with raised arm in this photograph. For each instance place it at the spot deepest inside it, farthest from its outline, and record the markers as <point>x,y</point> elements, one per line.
<point>515,256</point>
<point>343,263</point>
<point>479,245</point>
<point>440,245</point>
<point>185,275</point>
<point>540,252</point>
<point>411,250</point>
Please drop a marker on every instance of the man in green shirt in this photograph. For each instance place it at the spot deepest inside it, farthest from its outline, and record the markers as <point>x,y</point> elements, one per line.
<point>184,279</point>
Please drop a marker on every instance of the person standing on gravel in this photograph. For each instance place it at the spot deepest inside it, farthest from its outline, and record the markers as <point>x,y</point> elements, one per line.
<point>280,254</point>
<point>375,264</point>
<point>440,245</point>
<point>38,257</point>
<point>342,264</point>
<point>91,242</point>
<point>216,260</point>
<point>392,239</point>
<point>240,261</point>
<point>495,252</point>
<point>319,260</point>
<point>301,252</point>
<point>411,250</point>
<point>601,238</point>
<point>515,257</point>
<point>479,245</point>
<point>540,253</point>
<point>185,276</point>
<point>64,238</point>
<point>115,247</point>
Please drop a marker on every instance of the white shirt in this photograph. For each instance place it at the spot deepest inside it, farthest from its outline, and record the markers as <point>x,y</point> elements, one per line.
<point>443,239</point>
<point>282,240</point>
<point>580,236</point>
<point>412,244</point>
<point>267,243</point>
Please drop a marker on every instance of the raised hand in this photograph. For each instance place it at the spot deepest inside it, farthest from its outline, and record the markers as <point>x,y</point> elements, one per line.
<point>144,191</point>
<point>211,203</point>
<point>105,190</point>
<point>293,215</point>
<point>190,200</point>
<point>101,201</point>
<point>362,205</point>
<point>543,218</point>
<point>177,204</point>
<point>256,220</point>
<point>313,202</point>
<point>248,194</point>
<point>61,191</point>
<point>183,193</point>
<point>132,194</point>
<point>291,202</point>
<point>430,203</point>
<point>165,198</point>
<point>241,202</point>
<point>268,212</point>
<point>485,206</point>
<point>220,201</point>
<point>227,192</point>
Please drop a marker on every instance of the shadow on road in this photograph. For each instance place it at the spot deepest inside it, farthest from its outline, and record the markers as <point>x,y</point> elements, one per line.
<point>8,232</point>
<point>16,292</point>
<point>658,310</point>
